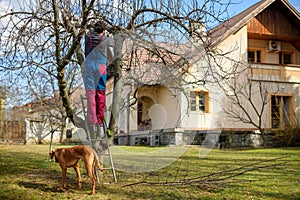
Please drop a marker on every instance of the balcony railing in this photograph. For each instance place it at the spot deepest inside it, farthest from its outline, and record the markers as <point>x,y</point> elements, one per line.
<point>275,73</point>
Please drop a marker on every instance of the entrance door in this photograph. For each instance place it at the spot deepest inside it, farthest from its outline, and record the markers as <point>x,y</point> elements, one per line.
<point>143,119</point>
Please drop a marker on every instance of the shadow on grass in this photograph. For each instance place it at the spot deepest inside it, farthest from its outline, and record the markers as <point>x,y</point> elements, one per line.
<point>40,186</point>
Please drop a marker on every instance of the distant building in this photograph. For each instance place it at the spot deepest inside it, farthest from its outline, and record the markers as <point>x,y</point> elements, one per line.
<point>44,116</point>
<point>2,104</point>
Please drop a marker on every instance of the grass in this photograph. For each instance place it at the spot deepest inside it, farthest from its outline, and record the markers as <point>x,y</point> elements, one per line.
<point>26,173</point>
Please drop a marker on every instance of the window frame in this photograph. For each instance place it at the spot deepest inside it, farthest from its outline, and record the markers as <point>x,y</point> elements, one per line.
<point>195,106</point>
<point>280,105</point>
<point>281,57</point>
<point>255,55</point>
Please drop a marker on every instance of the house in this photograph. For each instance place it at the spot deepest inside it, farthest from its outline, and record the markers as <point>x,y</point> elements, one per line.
<point>43,119</point>
<point>262,43</point>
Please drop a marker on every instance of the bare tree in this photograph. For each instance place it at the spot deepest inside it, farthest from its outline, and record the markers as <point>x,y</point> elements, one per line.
<point>249,94</point>
<point>46,36</point>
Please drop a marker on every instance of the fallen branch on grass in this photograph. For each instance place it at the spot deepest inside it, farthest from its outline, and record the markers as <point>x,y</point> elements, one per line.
<point>215,177</point>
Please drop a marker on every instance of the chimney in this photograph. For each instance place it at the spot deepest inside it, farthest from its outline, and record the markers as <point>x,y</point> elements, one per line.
<point>198,32</point>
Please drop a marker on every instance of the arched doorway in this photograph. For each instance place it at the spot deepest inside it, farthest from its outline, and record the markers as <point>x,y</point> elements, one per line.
<point>143,118</point>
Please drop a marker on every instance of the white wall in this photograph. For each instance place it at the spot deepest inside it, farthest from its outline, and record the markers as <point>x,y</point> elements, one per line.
<point>234,47</point>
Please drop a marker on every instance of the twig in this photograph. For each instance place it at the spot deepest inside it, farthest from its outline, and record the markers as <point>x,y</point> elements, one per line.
<point>238,168</point>
<point>211,178</point>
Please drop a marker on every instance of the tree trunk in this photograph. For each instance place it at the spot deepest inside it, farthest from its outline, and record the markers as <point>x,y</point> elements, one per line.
<point>62,128</point>
<point>118,86</point>
<point>263,137</point>
<point>62,85</point>
<point>80,57</point>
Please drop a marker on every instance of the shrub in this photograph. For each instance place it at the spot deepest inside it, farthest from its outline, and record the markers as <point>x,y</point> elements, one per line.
<point>288,136</point>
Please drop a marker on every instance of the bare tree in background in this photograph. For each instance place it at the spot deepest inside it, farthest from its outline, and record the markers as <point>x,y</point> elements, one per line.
<point>248,95</point>
<point>43,89</point>
<point>46,36</point>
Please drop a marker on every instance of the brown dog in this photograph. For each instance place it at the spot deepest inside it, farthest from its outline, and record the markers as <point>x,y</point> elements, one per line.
<point>69,157</point>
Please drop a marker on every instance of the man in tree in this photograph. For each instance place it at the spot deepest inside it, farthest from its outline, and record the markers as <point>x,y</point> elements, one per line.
<point>99,54</point>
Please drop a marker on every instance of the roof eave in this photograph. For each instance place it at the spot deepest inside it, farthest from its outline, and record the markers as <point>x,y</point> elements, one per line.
<point>243,22</point>
<point>291,8</point>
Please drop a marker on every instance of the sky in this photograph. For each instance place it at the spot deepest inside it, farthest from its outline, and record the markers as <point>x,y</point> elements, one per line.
<point>236,8</point>
<point>244,4</point>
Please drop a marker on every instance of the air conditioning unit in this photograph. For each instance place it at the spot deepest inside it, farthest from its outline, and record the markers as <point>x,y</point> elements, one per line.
<point>274,46</point>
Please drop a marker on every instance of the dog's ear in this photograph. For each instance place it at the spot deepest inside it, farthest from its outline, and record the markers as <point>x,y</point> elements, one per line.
<point>51,154</point>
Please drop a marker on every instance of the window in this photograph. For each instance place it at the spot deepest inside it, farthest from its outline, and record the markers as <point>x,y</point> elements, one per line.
<point>199,101</point>
<point>254,56</point>
<point>285,58</point>
<point>281,111</point>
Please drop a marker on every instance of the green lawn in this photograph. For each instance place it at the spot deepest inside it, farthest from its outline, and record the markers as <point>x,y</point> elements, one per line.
<point>26,173</point>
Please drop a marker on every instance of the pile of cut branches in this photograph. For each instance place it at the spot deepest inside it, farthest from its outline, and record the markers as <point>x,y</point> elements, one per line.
<point>217,177</point>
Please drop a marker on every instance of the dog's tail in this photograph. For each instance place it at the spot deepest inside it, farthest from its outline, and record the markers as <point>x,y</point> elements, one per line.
<point>96,161</point>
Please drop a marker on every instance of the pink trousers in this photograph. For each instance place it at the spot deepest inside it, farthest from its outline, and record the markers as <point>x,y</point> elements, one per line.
<point>96,100</point>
